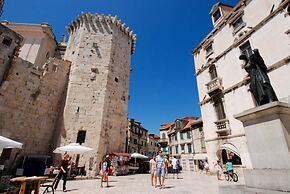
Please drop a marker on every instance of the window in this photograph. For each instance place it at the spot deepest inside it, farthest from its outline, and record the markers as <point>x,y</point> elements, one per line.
<point>181,136</point>
<point>216,15</point>
<point>163,136</point>
<point>141,143</point>
<point>175,136</point>
<point>188,134</point>
<point>169,150</point>
<point>246,49</point>
<point>81,136</point>
<point>182,148</point>
<point>200,129</point>
<point>178,124</point>
<point>212,72</point>
<point>7,41</point>
<point>219,107</point>
<point>238,24</point>
<point>135,141</point>
<point>176,149</point>
<point>145,144</point>
<point>189,148</point>
<point>202,143</point>
<point>209,50</point>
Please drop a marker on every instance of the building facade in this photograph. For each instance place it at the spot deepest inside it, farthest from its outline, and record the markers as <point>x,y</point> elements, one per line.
<point>152,145</point>
<point>223,84</point>
<point>137,138</point>
<point>39,42</point>
<point>184,139</point>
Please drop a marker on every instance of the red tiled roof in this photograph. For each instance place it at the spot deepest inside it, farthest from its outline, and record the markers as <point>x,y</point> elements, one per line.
<point>187,123</point>
<point>192,122</point>
<point>156,136</point>
<point>166,125</point>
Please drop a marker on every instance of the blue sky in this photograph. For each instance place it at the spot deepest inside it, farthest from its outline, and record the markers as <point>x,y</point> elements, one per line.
<point>162,83</point>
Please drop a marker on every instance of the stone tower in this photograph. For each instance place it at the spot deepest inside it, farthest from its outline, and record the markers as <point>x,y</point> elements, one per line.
<point>96,106</point>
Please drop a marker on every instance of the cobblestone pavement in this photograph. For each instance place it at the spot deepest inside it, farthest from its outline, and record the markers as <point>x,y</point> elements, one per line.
<point>189,182</point>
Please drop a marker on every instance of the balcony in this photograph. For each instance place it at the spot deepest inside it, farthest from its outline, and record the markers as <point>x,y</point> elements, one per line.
<point>214,86</point>
<point>223,127</point>
<point>163,141</point>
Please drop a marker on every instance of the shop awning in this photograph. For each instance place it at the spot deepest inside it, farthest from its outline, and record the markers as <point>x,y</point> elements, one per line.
<point>200,156</point>
<point>120,154</point>
<point>230,147</point>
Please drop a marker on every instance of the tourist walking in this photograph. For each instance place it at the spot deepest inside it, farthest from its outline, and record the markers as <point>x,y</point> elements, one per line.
<point>200,166</point>
<point>104,172</point>
<point>152,163</point>
<point>219,169</point>
<point>175,166</point>
<point>166,162</point>
<point>206,167</point>
<point>64,166</point>
<point>160,169</point>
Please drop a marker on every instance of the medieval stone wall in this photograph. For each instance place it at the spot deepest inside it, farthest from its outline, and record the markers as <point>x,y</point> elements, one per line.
<point>10,43</point>
<point>29,103</point>
<point>99,48</point>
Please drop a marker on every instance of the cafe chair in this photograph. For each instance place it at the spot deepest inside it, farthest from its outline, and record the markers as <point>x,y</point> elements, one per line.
<point>49,186</point>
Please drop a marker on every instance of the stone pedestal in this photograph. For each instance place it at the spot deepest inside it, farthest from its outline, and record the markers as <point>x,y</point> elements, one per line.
<point>267,130</point>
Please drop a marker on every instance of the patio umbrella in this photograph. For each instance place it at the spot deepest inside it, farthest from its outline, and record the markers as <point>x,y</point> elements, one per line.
<point>73,148</point>
<point>9,143</point>
<point>137,155</point>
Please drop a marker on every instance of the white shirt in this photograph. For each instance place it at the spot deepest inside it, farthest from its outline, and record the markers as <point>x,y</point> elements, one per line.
<point>174,163</point>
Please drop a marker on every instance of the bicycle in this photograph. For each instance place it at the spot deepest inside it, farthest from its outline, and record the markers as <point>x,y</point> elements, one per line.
<point>231,177</point>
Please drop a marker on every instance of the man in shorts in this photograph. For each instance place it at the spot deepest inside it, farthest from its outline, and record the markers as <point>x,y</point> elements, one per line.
<point>175,166</point>
<point>160,169</point>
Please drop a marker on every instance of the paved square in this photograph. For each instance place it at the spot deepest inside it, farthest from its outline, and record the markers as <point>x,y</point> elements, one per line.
<point>189,182</point>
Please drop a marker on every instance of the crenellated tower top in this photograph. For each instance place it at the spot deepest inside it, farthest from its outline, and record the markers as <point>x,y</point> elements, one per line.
<point>103,18</point>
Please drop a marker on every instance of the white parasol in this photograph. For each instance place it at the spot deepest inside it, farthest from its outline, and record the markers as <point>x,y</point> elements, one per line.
<point>137,155</point>
<point>9,143</point>
<point>73,148</point>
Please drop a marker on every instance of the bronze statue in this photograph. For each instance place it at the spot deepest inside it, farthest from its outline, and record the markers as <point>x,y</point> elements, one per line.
<point>260,85</point>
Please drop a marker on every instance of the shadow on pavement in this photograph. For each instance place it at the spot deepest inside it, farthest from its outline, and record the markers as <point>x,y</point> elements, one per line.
<point>68,190</point>
<point>169,187</point>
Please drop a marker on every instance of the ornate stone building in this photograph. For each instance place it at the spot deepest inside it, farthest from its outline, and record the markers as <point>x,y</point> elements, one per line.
<point>223,85</point>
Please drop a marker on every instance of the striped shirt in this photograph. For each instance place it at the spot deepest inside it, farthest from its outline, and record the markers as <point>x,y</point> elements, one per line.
<point>159,162</point>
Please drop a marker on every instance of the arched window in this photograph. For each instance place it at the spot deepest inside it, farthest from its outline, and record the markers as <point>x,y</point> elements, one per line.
<point>163,136</point>
<point>178,124</point>
<point>212,72</point>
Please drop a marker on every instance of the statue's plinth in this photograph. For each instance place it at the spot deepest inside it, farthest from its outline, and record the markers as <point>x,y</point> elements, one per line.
<point>267,130</point>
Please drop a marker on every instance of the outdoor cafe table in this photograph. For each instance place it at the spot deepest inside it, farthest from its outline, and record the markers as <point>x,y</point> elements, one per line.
<point>24,180</point>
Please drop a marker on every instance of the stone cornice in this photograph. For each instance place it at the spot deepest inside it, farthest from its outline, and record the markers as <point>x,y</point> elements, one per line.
<point>107,19</point>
